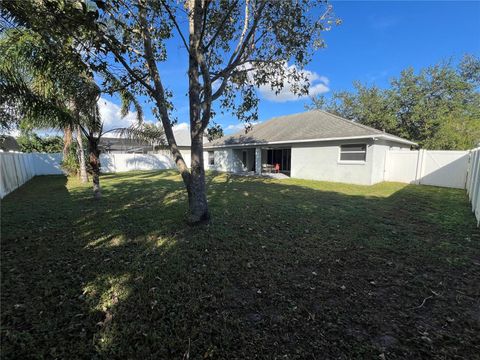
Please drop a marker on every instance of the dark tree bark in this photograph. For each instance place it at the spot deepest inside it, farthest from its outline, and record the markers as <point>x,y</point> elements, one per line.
<point>67,140</point>
<point>197,197</point>
<point>94,161</point>
<point>199,116</point>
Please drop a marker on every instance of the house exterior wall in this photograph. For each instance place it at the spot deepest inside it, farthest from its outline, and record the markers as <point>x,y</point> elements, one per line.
<point>321,161</point>
<point>187,156</point>
<point>380,150</point>
<point>226,160</point>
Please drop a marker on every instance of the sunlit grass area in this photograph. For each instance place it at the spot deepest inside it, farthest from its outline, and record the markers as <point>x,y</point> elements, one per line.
<point>286,269</point>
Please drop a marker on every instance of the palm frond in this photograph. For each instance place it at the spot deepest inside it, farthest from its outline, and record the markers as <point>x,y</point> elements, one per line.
<point>149,133</point>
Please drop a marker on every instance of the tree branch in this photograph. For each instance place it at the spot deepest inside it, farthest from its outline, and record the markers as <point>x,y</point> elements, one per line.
<point>222,23</point>
<point>175,23</point>
<point>206,4</point>
<point>132,73</point>
<point>158,93</point>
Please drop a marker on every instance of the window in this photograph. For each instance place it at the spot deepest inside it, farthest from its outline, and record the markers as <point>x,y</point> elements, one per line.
<point>244,158</point>
<point>211,158</point>
<point>353,152</point>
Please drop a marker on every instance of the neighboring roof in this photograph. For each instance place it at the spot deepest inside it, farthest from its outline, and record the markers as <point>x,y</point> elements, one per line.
<point>124,145</point>
<point>9,143</point>
<point>182,136</point>
<point>315,125</point>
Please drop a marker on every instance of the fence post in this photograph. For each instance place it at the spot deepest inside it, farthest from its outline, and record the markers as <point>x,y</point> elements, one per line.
<point>469,170</point>
<point>476,182</point>
<point>419,168</point>
<point>474,168</point>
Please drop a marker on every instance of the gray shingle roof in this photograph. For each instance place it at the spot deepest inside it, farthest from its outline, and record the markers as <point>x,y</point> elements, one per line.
<point>310,125</point>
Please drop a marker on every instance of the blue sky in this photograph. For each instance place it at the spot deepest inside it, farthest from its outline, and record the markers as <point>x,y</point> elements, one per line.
<point>375,41</point>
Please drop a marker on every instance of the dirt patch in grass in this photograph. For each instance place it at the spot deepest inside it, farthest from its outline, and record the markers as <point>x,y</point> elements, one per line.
<point>286,269</point>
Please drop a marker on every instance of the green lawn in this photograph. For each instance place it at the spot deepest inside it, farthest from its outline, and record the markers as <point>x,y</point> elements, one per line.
<point>287,269</point>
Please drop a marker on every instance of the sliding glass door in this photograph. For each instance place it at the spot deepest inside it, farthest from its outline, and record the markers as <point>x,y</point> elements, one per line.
<point>282,157</point>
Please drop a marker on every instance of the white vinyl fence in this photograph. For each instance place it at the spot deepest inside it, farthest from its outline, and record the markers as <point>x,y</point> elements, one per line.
<point>428,167</point>
<point>17,168</point>
<point>473,182</point>
<point>129,162</point>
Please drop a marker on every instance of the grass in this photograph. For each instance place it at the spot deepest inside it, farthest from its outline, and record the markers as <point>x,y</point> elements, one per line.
<point>287,269</point>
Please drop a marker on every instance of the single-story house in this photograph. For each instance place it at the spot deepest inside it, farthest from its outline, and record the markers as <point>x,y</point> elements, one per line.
<point>311,145</point>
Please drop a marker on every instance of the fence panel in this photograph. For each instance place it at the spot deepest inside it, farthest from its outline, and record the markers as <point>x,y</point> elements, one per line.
<point>47,164</point>
<point>111,163</point>
<point>445,168</point>
<point>402,166</point>
<point>428,167</point>
<point>15,170</point>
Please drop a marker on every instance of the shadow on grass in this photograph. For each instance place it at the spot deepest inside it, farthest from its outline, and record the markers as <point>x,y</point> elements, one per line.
<point>285,269</point>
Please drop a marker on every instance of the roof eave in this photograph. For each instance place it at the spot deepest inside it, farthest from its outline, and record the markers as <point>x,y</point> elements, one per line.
<point>375,136</point>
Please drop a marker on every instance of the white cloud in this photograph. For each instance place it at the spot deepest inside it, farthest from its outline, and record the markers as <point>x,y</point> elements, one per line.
<point>318,84</point>
<point>110,114</point>
<point>315,83</point>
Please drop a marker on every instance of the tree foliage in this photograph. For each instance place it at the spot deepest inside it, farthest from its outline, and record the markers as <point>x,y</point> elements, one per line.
<point>214,131</point>
<point>44,85</point>
<point>30,142</point>
<point>438,107</point>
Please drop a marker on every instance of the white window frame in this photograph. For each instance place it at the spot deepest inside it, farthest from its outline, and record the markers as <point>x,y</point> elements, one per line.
<point>352,162</point>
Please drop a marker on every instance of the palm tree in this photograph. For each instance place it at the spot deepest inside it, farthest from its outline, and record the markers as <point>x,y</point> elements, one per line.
<point>49,87</point>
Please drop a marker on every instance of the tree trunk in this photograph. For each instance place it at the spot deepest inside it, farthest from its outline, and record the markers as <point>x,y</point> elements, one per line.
<point>197,196</point>
<point>81,157</point>
<point>194,179</point>
<point>94,161</point>
<point>67,140</point>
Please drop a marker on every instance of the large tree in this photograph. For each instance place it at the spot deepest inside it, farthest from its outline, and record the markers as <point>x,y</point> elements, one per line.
<point>232,47</point>
<point>438,107</point>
